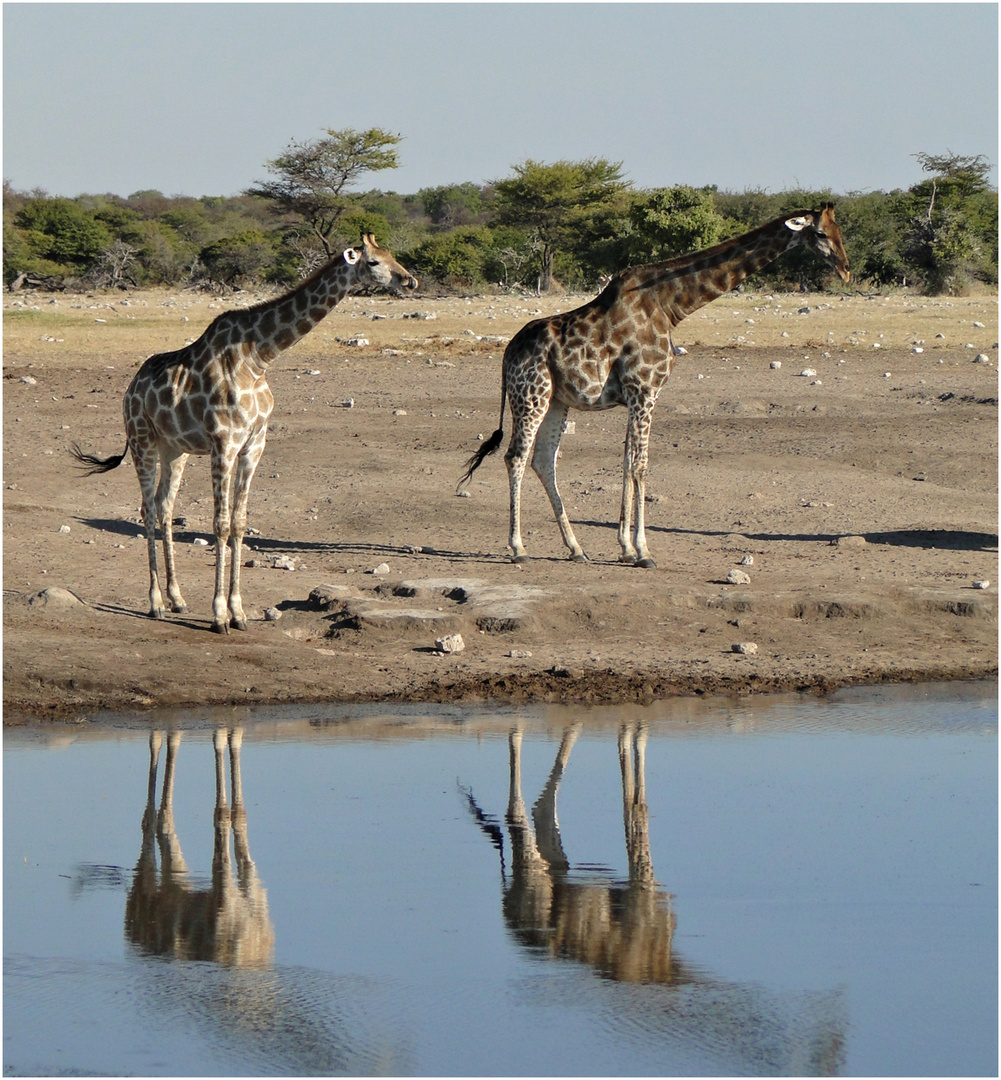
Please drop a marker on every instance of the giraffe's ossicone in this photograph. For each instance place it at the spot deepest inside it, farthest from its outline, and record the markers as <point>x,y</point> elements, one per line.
<point>212,398</point>
<point>617,350</point>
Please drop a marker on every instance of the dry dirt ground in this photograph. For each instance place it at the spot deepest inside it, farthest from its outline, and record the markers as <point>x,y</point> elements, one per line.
<point>866,496</point>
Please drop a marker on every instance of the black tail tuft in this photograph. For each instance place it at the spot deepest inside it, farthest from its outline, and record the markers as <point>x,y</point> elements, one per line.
<point>92,464</point>
<point>477,459</point>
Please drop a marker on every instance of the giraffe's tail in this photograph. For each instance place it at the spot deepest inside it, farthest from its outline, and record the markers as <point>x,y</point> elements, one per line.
<point>492,443</point>
<point>477,459</point>
<point>92,464</point>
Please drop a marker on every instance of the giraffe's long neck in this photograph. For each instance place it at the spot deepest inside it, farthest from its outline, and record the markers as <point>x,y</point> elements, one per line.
<point>269,328</point>
<point>685,284</point>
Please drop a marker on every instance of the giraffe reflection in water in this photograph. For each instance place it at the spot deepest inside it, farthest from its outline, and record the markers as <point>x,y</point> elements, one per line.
<point>624,930</point>
<point>165,914</point>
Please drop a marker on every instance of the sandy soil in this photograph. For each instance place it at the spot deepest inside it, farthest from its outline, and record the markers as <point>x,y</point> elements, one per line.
<point>865,496</point>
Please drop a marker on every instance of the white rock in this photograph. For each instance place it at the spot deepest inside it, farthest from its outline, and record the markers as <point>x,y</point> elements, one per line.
<point>399,412</point>
<point>64,528</point>
<point>29,379</point>
<point>450,643</point>
<point>746,648</point>
<point>917,349</point>
<point>200,541</point>
<point>775,365</point>
<point>808,372</point>
<point>519,654</point>
<point>981,584</point>
<point>348,403</point>
<point>738,577</point>
<point>569,427</point>
<point>380,571</point>
<point>747,560</point>
<point>981,358</point>
<point>272,614</point>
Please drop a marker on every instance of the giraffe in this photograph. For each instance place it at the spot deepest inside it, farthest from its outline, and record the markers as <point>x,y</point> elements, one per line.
<point>212,398</point>
<point>165,915</point>
<point>617,350</point>
<point>624,930</point>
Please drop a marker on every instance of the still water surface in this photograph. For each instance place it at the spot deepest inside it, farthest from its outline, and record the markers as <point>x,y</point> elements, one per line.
<point>767,887</point>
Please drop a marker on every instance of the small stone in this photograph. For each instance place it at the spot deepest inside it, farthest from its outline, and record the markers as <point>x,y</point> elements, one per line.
<point>747,560</point>
<point>380,571</point>
<point>30,380</point>
<point>745,648</point>
<point>808,372</point>
<point>399,412</point>
<point>450,643</point>
<point>272,614</point>
<point>569,427</point>
<point>680,351</point>
<point>775,365</point>
<point>64,528</point>
<point>282,562</point>
<point>738,577</point>
<point>981,358</point>
<point>348,403</point>
<point>200,541</point>
<point>462,494</point>
<point>917,349</point>
<point>519,654</point>
<point>981,584</point>
<point>849,542</point>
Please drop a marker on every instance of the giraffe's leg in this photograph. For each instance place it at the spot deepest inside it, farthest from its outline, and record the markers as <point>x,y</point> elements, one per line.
<point>547,445</point>
<point>171,469</point>
<point>643,557</point>
<point>222,471</point>
<point>634,466</point>
<point>246,466</point>
<point>144,457</point>
<point>528,409</point>
<point>626,512</point>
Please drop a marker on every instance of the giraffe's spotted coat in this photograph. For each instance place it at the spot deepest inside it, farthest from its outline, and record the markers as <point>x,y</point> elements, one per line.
<point>212,398</point>
<point>616,350</point>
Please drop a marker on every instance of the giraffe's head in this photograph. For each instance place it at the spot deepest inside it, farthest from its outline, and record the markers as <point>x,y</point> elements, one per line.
<point>375,266</point>
<point>819,231</point>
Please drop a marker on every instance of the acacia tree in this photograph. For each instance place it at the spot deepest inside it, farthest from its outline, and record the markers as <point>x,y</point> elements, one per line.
<point>312,179</point>
<point>948,239</point>
<point>555,203</point>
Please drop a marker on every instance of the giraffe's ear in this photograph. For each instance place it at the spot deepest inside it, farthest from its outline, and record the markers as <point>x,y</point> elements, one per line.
<point>351,256</point>
<point>797,224</point>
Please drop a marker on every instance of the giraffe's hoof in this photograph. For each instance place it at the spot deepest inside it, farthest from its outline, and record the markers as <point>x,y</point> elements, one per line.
<point>238,624</point>
<point>158,613</point>
<point>520,560</point>
<point>627,560</point>
<point>647,563</point>
<point>178,609</point>
<point>578,556</point>
<point>220,628</point>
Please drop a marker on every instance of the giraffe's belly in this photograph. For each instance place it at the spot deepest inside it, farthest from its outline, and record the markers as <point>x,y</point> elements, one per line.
<point>599,385</point>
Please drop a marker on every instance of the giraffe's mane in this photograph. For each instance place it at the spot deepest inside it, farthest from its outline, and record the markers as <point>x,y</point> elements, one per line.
<point>660,271</point>
<point>263,305</point>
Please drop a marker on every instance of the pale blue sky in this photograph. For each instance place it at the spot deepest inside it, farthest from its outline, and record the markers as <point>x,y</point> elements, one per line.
<point>192,99</point>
